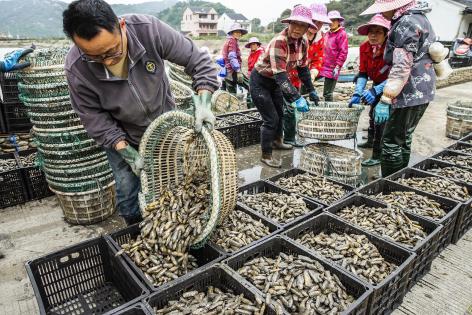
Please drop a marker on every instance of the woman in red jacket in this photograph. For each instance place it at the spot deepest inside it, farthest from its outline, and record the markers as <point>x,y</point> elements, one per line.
<point>256,50</point>
<point>372,66</point>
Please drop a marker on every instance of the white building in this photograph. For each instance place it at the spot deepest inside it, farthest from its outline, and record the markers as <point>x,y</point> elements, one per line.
<point>227,19</point>
<point>199,22</point>
<point>451,18</point>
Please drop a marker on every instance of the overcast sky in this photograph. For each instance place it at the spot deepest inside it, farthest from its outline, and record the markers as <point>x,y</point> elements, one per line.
<point>266,10</point>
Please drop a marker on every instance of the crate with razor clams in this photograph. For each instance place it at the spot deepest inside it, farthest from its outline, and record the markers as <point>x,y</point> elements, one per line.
<point>34,177</point>
<point>405,229</point>
<point>153,269</point>
<point>445,169</point>
<point>461,147</point>
<point>135,309</point>
<point>87,276</point>
<point>16,117</point>
<point>13,189</point>
<point>380,263</point>
<point>295,281</point>
<point>467,139</point>
<point>434,208</point>
<point>9,87</point>
<point>454,157</point>
<point>277,205</point>
<point>248,128</point>
<point>229,130</point>
<point>444,187</point>
<point>312,186</point>
<point>213,290</point>
<point>10,143</point>
<point>242,228</point>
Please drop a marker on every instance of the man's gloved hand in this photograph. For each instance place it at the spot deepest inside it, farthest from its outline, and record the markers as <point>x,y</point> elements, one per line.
<point>132,157</point>
<point>203,113</point>
<point>301,105</point>
<point>336,71</point>
<point>314,97</point>
<point>369,96</point>
<point>355,99</point>
<point>382,113</point>
<point>240,77</point>
<point>314,74</point>
<point>11,61</point>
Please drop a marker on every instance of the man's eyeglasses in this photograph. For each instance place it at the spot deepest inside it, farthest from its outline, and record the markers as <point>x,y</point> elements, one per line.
<point>103,58</point>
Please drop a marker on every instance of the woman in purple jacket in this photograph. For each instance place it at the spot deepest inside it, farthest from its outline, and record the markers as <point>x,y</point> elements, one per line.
<point>335,54</point>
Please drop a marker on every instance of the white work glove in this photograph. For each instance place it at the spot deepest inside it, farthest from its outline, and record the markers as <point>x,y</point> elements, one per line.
<point>314,74</point>
<point>203,113</point>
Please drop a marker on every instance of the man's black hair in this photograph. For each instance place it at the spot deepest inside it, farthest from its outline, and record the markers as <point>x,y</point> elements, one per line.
<point>86,18</point>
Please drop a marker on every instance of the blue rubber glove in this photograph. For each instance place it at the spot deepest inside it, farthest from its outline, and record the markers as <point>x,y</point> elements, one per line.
<point>314,97</point>
<point>301,105</point>
<point>355,99</point>
<point>369,96</point>
<point>360,85</point>
<point>11,61</point>
<point>220,61</point>
<point>234,62</point>
<point>382,113</point>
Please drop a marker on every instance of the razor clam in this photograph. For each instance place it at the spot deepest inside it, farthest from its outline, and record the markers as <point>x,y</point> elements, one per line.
<point>7,165</point>
<point>28,161</point>
<point>453,172</point>
<point>238,119</point>
<point>314,186</point>
<point>238,230</point>
<point>353,252</point>
<point>282,208</point>
<point>298,284</point>
<point>220,123</point>
<point>412,202</point>
<point>390,223</point>
<point>460,160</point>
<point>438,186</point>
<point>465,150</point>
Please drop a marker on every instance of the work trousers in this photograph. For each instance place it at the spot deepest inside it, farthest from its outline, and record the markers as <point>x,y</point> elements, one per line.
<point>328,89</point>
<point>268,99</point>
<point>375,132</point>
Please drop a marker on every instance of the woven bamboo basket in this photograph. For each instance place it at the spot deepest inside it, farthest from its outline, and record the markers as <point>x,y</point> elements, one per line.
<point>182,95</point>
<point>459,119</point>
<point>177,73</point>
<point>44,101</point>
<point>331,160</point>
<point>88,207</point>
<point>224,102</point>
<point>43,90</point>
<point>170,146</point>
<point>76,134</point>
<point>46,59</point>
<point>79,185</point>
<point>51,75</point>
<point>329,121</point>
<point>49,107</point>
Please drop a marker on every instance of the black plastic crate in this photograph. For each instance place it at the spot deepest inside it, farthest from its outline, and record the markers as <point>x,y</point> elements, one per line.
<point>35,179</point>
<point>136,309</point>
<point>263,186</point>
<point>458,146</point>
<point>273,228</point>
<point>218,276</point>
<point>451,153</point>
<point>464,218</point>
<point>428,164</point>
<point>425,250</point>
<point>13,189</point>
<point>467,139</point>
<point>9,87</point>
<point>16,117</point>
<point>295,171</point>
<point>205,256</point>
<point>86,278</point>
<point>451,207</point>
<point>386,295</point>
<point>460,62</point>
<point>278,243</point>
<point>231,132</point>
<point>247,133</point>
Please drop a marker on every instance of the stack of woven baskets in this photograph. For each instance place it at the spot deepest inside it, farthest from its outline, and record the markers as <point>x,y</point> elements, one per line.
<point>459,119</point>
<point>76,169</point>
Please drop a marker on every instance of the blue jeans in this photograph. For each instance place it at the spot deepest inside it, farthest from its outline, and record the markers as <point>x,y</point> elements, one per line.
<point>127,185</point>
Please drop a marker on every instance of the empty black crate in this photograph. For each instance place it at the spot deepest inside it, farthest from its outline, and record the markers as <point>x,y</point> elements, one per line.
<point>464,218</point>
<point>273,228</point>
<point>35,179</point>
<point>217,276</point>
<point>86,278</point>
<point>451,207</point>
<point>460,147</point>
<point>262,186</point>
<point>445,153</point>
<point>295,171</point>
<point>13,190</point>
<point>205,256</point>
<point>425,250</point>
<point>231,132</point>
<point>16,117</point>
<point>428,164</point>
<point>277,244</point>
<point>136,309</point>
<point>9,87</point>
<point>389,293</point>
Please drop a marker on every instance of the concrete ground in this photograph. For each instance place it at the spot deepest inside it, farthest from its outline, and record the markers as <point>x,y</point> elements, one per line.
<point>37,228</point>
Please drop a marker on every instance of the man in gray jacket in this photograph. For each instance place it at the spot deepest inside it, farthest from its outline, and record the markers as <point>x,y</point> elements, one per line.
<point>118,85</point>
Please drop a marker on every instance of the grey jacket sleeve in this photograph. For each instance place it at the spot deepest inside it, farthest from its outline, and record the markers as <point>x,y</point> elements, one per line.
<point>181,50</point>
<point>98,123</point>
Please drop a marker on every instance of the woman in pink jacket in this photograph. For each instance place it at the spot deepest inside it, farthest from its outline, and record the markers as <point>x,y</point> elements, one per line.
<point>335,54</point>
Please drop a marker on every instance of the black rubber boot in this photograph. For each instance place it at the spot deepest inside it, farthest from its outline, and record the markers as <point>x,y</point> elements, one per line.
<point>368,144</point>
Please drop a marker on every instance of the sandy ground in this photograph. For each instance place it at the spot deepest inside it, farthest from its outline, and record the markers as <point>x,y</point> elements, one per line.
<point>37,228</point>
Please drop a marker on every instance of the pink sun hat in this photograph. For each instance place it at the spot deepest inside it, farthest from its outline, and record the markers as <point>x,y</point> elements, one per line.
<point>335,15</point>
<point>252,40</point>
<point>385,5</point>
<point>377,20</point>
<point>320,13</point>
<point>300,14</point>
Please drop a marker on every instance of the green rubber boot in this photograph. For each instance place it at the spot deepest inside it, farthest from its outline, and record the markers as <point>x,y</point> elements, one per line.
<point>370,162</point>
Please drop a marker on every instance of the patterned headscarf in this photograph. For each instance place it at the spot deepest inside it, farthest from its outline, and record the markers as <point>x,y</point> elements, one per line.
<point>400,11</point>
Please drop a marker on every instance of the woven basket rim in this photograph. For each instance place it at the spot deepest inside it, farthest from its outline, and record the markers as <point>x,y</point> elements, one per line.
<point>108,186</point>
